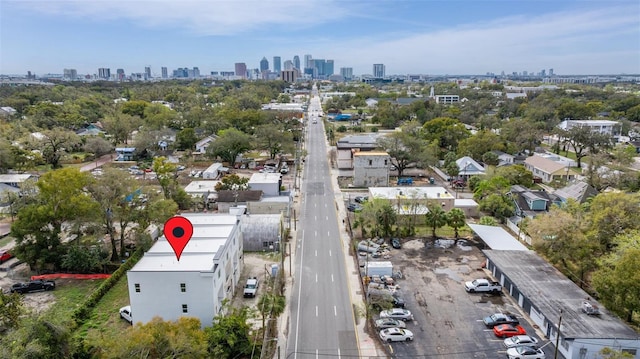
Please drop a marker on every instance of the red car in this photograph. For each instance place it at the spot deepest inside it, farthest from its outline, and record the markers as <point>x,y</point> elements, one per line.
<point>508,330</point>
<point>5,256</point>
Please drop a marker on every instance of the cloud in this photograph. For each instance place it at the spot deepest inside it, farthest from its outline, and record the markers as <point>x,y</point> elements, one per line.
<point>201,17</point>
<point>587,37</point>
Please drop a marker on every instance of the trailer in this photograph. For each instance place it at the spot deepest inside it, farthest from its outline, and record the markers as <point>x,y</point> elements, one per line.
<point>384,268</point>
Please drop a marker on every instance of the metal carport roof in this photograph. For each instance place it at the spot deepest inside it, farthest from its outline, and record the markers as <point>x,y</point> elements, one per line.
<point>497,238</point>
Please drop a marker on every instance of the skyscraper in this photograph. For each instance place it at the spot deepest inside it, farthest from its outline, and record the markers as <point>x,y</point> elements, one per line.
<point>307,62</point>
<point>147,72</point>
<point>347,72</point>
<point>120,74</point>
<point>288,65</point>
<point>296,62</point>
<point>277,64</point>
<point>378,71</point>
<point>104,73</point>
<point>328,68</point>
<point>264,64</point>
<point>241,69</point>
<point>70,74</point>
<point>165,74</point>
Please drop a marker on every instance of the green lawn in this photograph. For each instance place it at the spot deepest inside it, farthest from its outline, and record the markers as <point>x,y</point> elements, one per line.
<point>69,294</point>
<point>4,241</point>
<point>105,320</point>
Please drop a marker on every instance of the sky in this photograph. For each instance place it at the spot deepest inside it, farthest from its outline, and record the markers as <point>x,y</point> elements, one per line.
<point>435,37</point>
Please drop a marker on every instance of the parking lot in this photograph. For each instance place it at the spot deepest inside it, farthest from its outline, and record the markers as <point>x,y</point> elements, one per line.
<point>448,320</point>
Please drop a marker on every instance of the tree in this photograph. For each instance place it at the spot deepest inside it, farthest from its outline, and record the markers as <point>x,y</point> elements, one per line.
<point>186,139</point>
<point>229,144</point>
<point>612,214</point>
<point>98,146</point>
<point>166,175</point>
<point>37,338</point>
<point>609,353</point>
<point>233,182</point>
<point>230,337</point>
<point>581,138</point>
<point>479,144</point>
<point>488,221</point>
<point>498,205</point>
<point>447,131</point>
<point>120,126</point>
<point>403,148</point>
<point>38,229</point>
<point>516,175</point>
<point>135,108</point>
<point>84,259</point>
<point>274,139</point>
<point>11,309</point>
<point>435,218</point>
<point>271,305</point>
<point>456,219</point>
<point>55,144</point>
<point>182,338</point>
<point>618,281</point>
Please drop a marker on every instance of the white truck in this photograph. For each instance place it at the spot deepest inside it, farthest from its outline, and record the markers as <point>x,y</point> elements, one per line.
<point>482,285</point>
<point>251,287</point>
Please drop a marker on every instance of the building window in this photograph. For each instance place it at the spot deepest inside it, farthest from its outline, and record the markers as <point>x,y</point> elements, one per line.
<point>185,309</point>
<point>137,286</point>
<point>370,162</point>
<point>385,162</point>
<point>183,287</point>
<point>267,244</point>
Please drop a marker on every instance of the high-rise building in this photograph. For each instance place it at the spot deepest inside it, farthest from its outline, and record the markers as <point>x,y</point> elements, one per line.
<point>288,65</point>
<point>165,74</point>
<point>147,72</point>
<point>241,69</point>
<point>378,71</point>
<point>347,73</point>
<point>308,64</point>
<point>289,75</point>
<point>264,64</point>
<point>328,68</point>
<point>120,74</point>
<point>277,64</point>
<point>550,72</point>
<point>70,74</point>
<point>196,72</point>
<point>104,73</point>
<point>296,62</point>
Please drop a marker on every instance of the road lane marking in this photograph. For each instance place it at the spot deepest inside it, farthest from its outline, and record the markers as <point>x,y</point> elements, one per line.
<point>329,233</point>
<point>329,252</point>
<point>335,312</point>
<point>316,310</point>
<point>315,217</point>
<point>316,277</point>
<point>327,218</point>
<point>331,277</point>
<point>338,353</point>
<point>316,252</point>
<point>315,233</point>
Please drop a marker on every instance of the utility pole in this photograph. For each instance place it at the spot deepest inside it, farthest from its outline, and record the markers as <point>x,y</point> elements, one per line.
<point>555,355</point>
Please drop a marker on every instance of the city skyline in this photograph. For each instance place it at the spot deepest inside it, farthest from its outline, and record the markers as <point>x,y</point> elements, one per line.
<point>408,37</point>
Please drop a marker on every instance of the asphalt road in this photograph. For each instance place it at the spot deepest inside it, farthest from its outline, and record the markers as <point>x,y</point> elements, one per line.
<point>322,320</point>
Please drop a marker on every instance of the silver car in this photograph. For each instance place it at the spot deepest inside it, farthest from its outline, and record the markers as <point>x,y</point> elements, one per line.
<point>385,323</point>
<point>397,313</point>
<point>396,335</point>
<point>519,340</point>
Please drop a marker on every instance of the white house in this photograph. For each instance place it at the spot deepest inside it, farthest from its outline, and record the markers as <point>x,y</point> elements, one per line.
<point>213,171</point>
<point>268,183</point>
<point>601,126</point>
<point>195,286</point>
<point>468,167</point>
<point>447,99</point>
<point>371,169</point>
<point>201,146</point>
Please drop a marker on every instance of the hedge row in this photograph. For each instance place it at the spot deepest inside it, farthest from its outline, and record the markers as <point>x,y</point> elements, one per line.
<point>83,312</point>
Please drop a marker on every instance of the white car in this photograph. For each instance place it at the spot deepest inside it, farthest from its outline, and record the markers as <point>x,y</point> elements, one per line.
<point>520,340</point>
<point>397,313</point>
<point>525,352</point>
<point>396,335</point>
<point>385,323</point>
<point>125,313</point>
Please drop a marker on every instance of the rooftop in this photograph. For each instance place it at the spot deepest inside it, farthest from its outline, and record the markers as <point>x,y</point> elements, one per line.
<point>265,177</point>
<point>370,153</point>
<point>551,292</point>
<point>432,192</point>
<point>497,238</point>
<point>201,186</point>
<point>15,178</point>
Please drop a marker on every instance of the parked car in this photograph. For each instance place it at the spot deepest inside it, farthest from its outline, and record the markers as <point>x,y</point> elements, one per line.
<point>397,313</point>
<point>33,286</point>
<point>180,168</point>
<point>354,207</point>
<point>5,256</point>
<point>385,323</point>
<point>519,340</point>
<point>396,335</point>
<point>508,330</point>
<point>500,318</point>
<point>361,199</point>
<point>251,287</point>
<point>525,352</point>
<point>125,313</point>
<point>395,243</point>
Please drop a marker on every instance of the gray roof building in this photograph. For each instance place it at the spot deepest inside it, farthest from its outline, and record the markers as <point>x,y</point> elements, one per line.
<point>546,295</point>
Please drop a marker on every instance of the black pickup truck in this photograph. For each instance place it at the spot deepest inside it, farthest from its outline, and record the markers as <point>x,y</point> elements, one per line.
<point>33,286</point>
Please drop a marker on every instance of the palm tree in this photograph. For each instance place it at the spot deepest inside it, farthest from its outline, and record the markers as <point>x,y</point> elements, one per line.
<point>456,219</point>
<point>435,218</point>
<point>271,305</point>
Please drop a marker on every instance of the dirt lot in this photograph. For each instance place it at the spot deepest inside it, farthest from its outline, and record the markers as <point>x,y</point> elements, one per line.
<point>38,302</point>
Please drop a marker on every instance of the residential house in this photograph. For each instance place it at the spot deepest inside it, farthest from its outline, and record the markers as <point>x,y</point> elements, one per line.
<point>606,127</point>
<point>504,159</point>
<point>349,145</point>
<point>13,184</point>
<point>530,203</point>
<point>126,154</point>
<point>551,300</point>
<point>201,146</point>
<point>91,130</point>
<point>579,191</point>
<point>202,190</point>
<point>468,167</point>
<point>197,284</point>
<point>227,199</point>
<point>547,170</point>
<point>371,169</point>
<point>414,200</point>
<point>8,111</point>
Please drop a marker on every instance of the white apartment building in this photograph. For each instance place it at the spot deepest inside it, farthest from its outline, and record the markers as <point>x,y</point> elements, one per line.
<point>195,286</point>
<point>601,126</point>
<point>447,99</point>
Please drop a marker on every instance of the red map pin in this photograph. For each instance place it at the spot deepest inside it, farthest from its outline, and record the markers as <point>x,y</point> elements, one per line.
<point>178,231</point>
